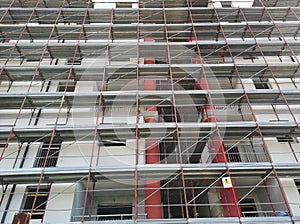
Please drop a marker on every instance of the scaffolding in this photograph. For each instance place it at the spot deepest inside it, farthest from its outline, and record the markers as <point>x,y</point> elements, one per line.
<point>150,111</point>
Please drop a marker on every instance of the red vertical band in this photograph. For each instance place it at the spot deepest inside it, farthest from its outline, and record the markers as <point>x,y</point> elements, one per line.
<point>152,193</point>
<point>229,196</point>
<point>150,85</point>
<point>153,207</point>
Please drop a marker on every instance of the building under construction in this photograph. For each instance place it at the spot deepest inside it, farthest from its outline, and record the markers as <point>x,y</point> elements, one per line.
<point>149,111</point>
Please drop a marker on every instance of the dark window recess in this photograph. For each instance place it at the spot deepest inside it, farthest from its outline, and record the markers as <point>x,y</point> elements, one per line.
<point>77,61</point>
<point>251,57</point>
<point>160,61</point>
<point>233,154</point>
<point>287,139</point>
<point>112,143</point>
<point>261,83</point>
<point>124,4</point>
<point>292,59</point>
<point>297,182</point>
<point>40,204</point>
<point>56,61</point>
<point>248,207</point>
<point>226,4</point>
<point>48,86</point>
<point>38,117</point>
<point>2,146</point>
<point>114,212</point>
<point>64,86</point>
<point>52,156</point>
<point>32,59</point>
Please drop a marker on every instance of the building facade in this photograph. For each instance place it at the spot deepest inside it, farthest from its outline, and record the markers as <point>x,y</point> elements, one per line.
<point>149,111</point>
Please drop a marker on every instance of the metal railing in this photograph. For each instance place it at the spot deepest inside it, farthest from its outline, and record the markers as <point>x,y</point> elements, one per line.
<point>108,217</point>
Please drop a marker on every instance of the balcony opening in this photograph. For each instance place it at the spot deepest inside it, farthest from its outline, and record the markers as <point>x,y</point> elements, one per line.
<point>124,4</point>
<point>114,212</point>
<point>66,86</point>
<point>52,156</point>
<point>248,207</point>
<point>233,154</point>
<point>226,4</point>
<point>115,142</point>
<point>76,61</point>
<point>173,198</point>
<point>261,83</point>
<point>40,203</point>
<point>287,139</point>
